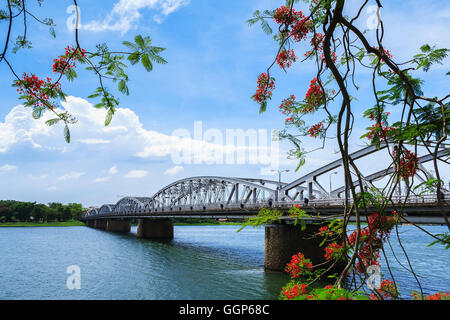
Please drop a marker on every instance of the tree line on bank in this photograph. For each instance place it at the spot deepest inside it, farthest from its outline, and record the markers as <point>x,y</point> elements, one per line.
<point>18,211</point>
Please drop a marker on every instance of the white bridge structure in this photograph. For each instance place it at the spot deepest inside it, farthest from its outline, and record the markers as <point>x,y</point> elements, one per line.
<point>227,197</point>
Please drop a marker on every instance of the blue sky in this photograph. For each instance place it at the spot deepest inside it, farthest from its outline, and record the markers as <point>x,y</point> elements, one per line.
<point>213,62</point>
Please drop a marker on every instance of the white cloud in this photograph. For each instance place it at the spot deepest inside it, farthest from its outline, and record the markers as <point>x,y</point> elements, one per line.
<point>174,170</point>
<point>101,179</point>
<point>126,135</point>
<point>113,170</point>
<point>125,14</point>
<point>70,176</point>
<point>52,188</point>
<point>136,174</point>
<point>94,141</point>
<point>8,168</point>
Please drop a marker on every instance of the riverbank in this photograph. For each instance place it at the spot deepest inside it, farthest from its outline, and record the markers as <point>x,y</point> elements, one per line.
<point>43,224</point>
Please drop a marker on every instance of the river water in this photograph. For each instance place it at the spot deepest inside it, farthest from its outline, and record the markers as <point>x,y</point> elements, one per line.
<point>202,262</point>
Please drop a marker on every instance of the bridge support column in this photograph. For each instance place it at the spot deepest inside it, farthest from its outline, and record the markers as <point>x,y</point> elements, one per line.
<point>282,241</point>
<point>115,225</point>
<point>100,224</point>
<point>90,223</point>
<point>155,229</point>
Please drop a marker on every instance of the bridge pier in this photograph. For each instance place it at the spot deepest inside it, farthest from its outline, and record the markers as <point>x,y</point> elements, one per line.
<point>282,241</point>
<point>90,223</point>
<point>100,224</point>
<point>115,225</point>
<point>155,229</point>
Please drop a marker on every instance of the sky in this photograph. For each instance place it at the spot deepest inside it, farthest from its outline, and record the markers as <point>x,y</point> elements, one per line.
<point>203,92</point>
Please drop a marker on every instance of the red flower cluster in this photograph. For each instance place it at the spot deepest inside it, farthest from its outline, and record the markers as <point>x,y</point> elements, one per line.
<point>386,52</point>
<point>296,24</point>
<point>317,41</point>
<point>385,114</point>
<point>36,90</point>
<point>325,231</point>
<point>379,130</point>
<point>62,63</point>
<point>438,296</point>
<point>285,58</point>
<point>265,85</point>
<point>293,292</point>
<point>387,291</point>
<point>407,164</point>
<point>315,95</point>
<point>315,130</point>
<point>287,106</point>
<point>334,251</point>
<point>371,239</point>
<point>299,266</point>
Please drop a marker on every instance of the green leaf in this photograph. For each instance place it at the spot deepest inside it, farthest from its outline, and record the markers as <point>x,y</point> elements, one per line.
<point>139,41</point>
<point>130,45</point>
<point>134,58</point>
<point>94,95</point>
<point>67,133</point>
<point>36,113</point>
<point>52,122</point>
<point>263,107</point>
<point>425,48</point>
<point>109,116</point>
<point>122,86</point>
<point>52,32</point>
<point>146,63</point>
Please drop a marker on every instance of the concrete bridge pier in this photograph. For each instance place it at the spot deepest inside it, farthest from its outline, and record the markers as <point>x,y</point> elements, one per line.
<point>90,223</point>
<point>155,228</point>
<point>116,225</point>
<point>282,241</point>
<point>100,224</point>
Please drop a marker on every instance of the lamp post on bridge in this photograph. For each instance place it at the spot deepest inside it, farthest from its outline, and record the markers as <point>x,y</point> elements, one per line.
<point>279,175</point>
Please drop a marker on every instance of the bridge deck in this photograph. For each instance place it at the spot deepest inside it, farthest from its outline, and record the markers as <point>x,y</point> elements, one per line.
<point>423,210</point>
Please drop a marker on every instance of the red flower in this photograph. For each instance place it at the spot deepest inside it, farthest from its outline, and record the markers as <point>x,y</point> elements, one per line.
<point>265,85</point>
<point>62,63</point>
<point>315,130</point>
<point>387,291</point>
<point>333,251</point>
<point>406,164</point>
<point>294,22</point>
<point>36,91</point>
<point>285,58</point>
<point>299,266</point>
<point>293,292</point>
<point>315,95</point>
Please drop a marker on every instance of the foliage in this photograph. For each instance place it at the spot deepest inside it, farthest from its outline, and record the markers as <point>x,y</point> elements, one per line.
<point>265,216</point>
<point>13,211</point>
<point>403,118</point>
<point>106,65</point>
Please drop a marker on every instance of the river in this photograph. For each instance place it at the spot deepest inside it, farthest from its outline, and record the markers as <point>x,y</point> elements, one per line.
<point>202,262</point>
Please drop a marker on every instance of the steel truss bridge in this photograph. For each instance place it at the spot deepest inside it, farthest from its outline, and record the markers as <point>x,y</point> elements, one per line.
<point>225,197</point>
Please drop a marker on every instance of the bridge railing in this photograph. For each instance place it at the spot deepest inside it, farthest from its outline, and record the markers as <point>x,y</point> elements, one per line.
<point>319,203</point>
<point>425,199</point>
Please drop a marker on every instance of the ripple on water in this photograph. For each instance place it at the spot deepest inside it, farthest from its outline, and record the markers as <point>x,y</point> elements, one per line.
<point>202,262</point>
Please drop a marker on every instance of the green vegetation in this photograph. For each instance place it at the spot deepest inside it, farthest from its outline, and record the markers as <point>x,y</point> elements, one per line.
<point>17,213</point>
<point>71,223</point>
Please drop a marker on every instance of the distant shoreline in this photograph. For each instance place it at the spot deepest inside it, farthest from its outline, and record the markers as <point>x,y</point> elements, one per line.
<point>79,223</point>
<point>43,224</point>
